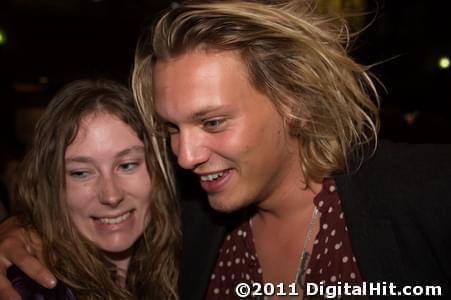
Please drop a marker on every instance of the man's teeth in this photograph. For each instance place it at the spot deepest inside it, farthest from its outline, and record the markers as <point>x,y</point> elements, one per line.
<point>115,220</point>
<point>211,177</point>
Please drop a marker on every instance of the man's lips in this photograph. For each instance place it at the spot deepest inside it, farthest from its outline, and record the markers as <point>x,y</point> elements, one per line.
<point>214,181</point>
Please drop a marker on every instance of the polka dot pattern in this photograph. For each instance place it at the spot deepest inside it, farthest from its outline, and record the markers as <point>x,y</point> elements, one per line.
<point>334,261</point>
<point>237,262</point>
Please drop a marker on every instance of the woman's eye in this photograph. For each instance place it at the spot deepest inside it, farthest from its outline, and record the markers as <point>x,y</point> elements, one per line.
<point>128,166</point>
<point>78,174</point>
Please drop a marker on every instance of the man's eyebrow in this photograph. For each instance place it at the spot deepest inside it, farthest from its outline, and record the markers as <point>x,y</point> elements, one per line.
<point>160,119</point>
<point>208,110</point>
<point>199,114</point>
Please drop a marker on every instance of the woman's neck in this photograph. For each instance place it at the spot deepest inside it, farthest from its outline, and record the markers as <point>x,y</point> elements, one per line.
<point>120,262</point>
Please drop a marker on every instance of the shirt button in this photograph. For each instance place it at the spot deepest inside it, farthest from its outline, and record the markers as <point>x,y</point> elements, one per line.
<point>332,188</point>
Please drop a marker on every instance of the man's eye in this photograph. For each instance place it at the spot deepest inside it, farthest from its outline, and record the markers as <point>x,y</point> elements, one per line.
<point>171,128</point>
<point>165,129</point>
<point>213,124</point>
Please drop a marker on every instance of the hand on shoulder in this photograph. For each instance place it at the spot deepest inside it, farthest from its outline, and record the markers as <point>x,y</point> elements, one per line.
<point>21,247</point>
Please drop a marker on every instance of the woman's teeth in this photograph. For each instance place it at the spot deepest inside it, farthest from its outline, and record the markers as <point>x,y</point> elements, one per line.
<point>115,220</point>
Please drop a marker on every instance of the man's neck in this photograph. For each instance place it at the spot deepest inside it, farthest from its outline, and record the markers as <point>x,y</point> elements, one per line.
<point>279,229</point>
<point>289,203</point>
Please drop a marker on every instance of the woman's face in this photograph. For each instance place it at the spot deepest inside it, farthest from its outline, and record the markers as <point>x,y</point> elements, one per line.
<point>107,184</point>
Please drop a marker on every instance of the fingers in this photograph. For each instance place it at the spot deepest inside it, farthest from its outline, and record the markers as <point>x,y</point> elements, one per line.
<point>20,247</point>
<point>31,266</point>
<point>7,292</point>
<point>33,244</point>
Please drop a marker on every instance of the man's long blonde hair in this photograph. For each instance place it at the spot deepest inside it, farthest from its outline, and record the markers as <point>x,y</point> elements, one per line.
<point>293,55</point>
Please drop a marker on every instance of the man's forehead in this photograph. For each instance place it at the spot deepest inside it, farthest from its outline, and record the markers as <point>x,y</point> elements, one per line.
<point>200,84</point>
<point>198,59</point>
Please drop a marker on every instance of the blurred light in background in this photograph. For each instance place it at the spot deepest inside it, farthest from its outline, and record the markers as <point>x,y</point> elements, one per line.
<point>2,37</point>
<point>43,80</point>
<point>411,117</point>
<point>444,62</point>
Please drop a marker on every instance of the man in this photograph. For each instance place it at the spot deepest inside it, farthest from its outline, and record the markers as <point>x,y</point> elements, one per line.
<point>263,104</point>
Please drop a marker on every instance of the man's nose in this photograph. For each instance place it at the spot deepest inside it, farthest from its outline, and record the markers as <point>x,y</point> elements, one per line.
<point>190,149</point>
<point>110,192</point>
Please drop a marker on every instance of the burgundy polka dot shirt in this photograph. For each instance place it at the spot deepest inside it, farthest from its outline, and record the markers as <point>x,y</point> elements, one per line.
<point>331,261</point>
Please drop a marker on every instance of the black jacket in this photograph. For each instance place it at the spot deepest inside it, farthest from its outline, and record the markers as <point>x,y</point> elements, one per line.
<point>397,207</point>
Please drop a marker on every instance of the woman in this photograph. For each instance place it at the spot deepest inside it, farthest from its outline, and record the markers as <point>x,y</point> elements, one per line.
<point>92,189</point>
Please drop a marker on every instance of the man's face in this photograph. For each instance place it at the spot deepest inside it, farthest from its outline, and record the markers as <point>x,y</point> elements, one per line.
<point>223,129</point>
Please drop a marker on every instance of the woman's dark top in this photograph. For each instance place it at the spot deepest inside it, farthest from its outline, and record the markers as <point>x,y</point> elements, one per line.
<point>31,290</point>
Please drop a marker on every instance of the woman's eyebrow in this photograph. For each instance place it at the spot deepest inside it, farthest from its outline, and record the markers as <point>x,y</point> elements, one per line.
<point>85,159</point>
<point>79,159</point>
<point>137,148</point>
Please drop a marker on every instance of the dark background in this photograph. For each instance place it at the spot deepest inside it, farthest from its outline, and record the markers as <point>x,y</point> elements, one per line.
<point>411,36</point>
<point>50,42</point>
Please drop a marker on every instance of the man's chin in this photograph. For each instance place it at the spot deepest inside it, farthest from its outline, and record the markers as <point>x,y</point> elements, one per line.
<point>225,205</point>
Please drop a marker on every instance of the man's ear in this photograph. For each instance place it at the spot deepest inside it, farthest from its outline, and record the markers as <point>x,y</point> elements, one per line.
<point>296,123</point>
<point>294,113</point>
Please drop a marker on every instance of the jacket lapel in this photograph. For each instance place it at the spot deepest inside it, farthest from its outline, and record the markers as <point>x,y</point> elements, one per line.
<point>371,233</point>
